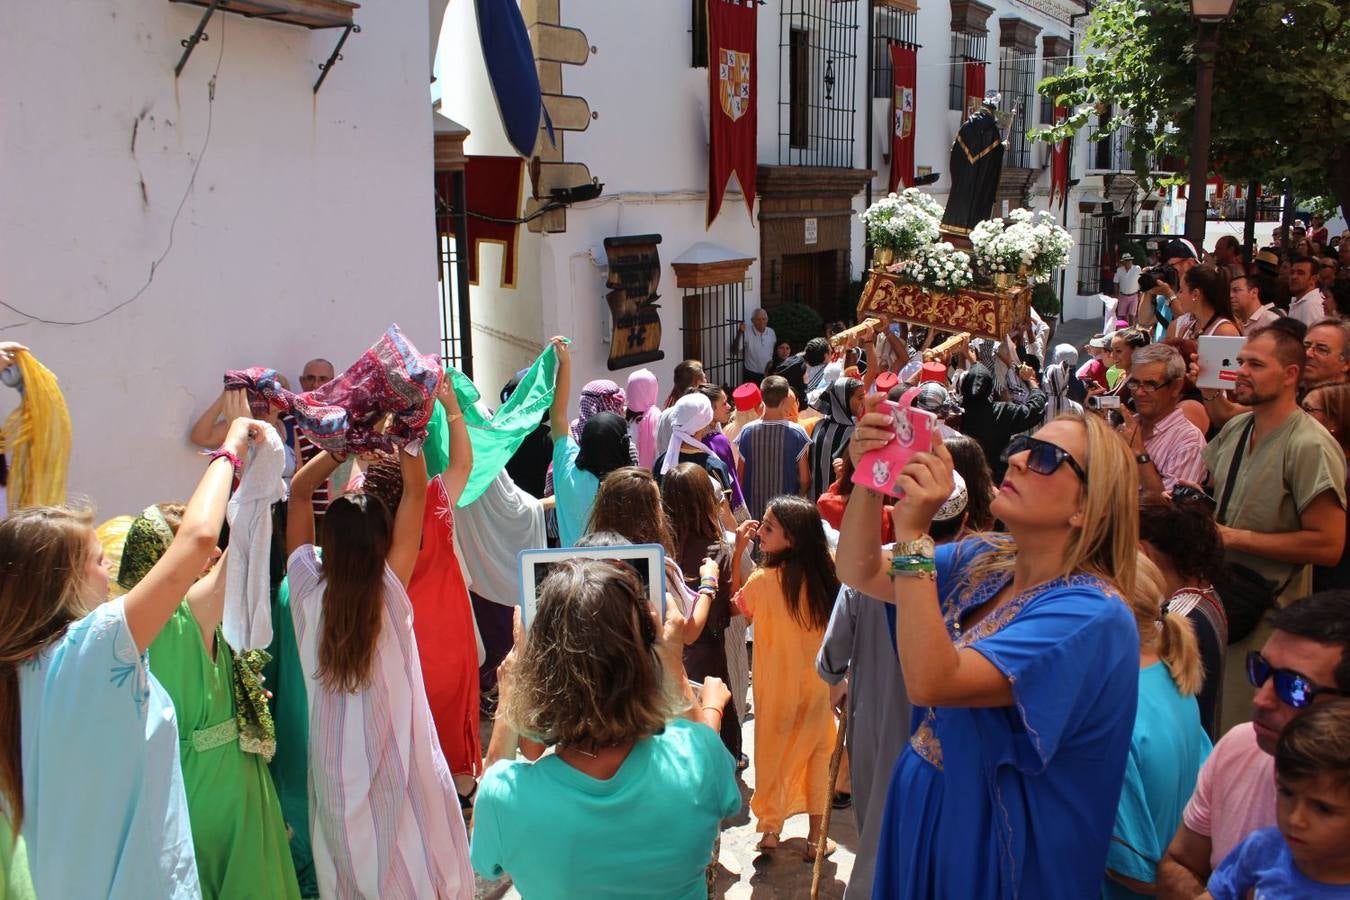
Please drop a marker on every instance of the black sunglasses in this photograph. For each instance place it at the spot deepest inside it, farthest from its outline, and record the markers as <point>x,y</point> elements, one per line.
<point>1293,689</point>
<point>1043,457</point>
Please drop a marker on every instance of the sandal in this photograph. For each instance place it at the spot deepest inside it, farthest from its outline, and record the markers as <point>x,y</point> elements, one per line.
<point>809,854</point>
<point>768,842</point>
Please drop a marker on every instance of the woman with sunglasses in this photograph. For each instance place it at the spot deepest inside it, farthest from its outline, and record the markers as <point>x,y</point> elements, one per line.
<point>1021,659</point>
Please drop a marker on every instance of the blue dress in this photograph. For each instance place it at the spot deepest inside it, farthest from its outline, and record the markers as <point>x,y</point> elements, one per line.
<point>1017,801</point>
<point>105,809</point>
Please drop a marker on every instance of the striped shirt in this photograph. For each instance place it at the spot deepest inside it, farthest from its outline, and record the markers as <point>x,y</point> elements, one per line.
<point>1178,450</point>
<point>771,449</point>
<point>384,817</point>
<point>308,451</point>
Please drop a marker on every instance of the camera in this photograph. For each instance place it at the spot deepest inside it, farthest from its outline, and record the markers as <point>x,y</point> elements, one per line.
<point>1104,401</point>
<point>1150,277</point>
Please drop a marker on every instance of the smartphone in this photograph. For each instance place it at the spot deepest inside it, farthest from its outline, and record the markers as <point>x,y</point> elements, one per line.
<point>913,430</point>
<point>1104,401</point>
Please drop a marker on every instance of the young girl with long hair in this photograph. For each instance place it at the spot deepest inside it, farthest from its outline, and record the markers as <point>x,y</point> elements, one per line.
<point>385,818</point>
<point>706,562</point>
<point>89,743</point>
<point>789,598</point>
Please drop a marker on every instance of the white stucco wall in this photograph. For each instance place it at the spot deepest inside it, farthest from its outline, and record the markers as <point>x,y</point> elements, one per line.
<point>309,228</point>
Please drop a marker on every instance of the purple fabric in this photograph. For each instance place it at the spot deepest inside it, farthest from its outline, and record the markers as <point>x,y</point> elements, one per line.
<point>342,415</point>
<point>722,447</point>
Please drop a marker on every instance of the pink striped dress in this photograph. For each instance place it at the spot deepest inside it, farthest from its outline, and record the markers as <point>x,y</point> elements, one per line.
<point>384,817</point>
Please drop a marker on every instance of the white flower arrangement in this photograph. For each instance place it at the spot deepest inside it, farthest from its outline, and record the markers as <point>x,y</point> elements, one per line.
<point>937,267</point>
<point>904,222</point>
<point>1030,244</point>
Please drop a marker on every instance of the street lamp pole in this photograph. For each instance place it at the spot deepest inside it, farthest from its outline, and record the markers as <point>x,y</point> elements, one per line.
<point>1211,13</point>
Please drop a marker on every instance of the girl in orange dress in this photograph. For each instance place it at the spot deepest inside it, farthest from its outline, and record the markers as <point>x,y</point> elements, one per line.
<point>789,598</point>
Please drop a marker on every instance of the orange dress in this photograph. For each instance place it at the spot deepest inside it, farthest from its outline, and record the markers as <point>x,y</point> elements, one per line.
<point>794,725</point>
<point>443,626</point>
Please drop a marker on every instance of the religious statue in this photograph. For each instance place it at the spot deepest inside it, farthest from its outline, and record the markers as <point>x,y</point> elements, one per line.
<point>977,162</point>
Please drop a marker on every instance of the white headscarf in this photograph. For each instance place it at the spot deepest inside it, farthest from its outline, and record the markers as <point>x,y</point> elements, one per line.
<point>690,415</point>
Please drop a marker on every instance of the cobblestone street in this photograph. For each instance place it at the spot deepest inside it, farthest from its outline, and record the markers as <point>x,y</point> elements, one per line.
<point>742,871</point>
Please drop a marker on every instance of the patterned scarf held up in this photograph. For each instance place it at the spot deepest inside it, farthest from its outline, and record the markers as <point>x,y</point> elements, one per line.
<point>342,415</point>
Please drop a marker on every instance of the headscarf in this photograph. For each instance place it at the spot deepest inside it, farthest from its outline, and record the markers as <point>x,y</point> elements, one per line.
<point>147,540</point>
<point>1058,377</point>
<point>956,501</point>
<point>690,415</point>
<point>935,398</point>
<point>643,414</point>
<point>831,434</point>
<point>604,445</point>
<point>37,437</point>
<point>601,395</point>
<point>794,370</point>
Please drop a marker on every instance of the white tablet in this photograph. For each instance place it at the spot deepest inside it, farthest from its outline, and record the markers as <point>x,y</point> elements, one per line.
<point>1218,359</point>
<point>647,560</point>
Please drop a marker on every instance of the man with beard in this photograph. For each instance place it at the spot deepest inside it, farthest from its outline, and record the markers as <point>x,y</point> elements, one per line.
<point>1284,510</point>
<point>1305,661</point>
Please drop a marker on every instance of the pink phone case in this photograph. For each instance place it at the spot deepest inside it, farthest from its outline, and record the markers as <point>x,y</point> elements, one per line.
<point>878,469</point>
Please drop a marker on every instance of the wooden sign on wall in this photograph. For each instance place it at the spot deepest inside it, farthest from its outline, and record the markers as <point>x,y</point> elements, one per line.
<point>634,274</point>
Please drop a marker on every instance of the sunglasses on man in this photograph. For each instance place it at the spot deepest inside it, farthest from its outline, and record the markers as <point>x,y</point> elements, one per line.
<point>1043,457</point>
<point>1293,688</point>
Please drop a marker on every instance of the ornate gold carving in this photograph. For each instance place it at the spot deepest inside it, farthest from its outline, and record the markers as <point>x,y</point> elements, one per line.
<point>983,313</point>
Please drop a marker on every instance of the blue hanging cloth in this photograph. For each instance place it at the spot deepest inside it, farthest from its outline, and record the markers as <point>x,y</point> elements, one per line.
<point>511,69</point>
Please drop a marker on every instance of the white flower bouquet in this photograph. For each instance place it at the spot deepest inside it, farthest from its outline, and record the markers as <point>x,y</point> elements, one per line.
<point>940,268</point>
<point>903,223</point>
<point>1029,245</point>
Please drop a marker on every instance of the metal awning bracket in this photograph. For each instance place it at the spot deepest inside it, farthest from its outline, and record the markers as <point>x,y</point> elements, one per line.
<point>324,67</point>
<point>190,43</point>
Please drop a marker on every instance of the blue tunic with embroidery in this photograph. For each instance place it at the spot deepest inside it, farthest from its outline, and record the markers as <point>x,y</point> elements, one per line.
<point>1017,801</point>
<point>105,811</point>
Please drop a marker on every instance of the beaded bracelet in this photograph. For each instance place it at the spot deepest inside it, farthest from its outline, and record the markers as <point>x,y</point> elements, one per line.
<point>909,566</point>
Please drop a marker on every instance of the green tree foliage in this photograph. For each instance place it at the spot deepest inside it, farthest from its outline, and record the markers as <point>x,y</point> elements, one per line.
<point>1281,89</point>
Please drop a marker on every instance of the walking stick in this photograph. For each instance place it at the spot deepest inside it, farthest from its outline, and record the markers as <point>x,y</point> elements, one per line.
<point>835,759</point>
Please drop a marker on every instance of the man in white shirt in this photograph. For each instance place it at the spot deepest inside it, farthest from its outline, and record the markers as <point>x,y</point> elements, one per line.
<point>1307,304</point>
<point>759,343</point>
<point>1127,287</point>
<point>1252,313</point>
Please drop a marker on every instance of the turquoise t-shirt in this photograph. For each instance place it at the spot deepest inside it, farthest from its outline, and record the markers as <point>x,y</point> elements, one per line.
<point>646,832</point>
<point>575,489</point>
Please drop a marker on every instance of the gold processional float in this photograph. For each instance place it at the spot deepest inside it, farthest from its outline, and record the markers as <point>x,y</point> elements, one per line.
<point>956,269</point>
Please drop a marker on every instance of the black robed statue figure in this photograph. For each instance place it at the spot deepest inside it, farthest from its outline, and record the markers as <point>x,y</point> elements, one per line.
<point>977,161</point>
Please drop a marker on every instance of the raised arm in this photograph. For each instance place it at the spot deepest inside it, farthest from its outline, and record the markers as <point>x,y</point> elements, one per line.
<point>150,603</point>
<point>407,538</point>
<point>461,451</point>
<point>300,506</point>
<point>206,599</point>
<point>562,389</point>
<point>209,431</point>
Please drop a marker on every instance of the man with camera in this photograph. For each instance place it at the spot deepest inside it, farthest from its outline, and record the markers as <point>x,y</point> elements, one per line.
<point>1279,483</point>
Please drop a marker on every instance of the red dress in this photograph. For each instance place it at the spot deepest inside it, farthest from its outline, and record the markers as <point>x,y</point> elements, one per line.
<point>443,626</point>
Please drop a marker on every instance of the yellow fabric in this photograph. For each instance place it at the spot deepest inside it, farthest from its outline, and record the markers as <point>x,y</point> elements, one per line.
<point>37,435</point>
<point>112,534</point>
<point>794,725</point>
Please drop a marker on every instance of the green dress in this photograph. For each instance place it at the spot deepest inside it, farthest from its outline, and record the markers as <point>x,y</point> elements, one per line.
<point>237,827</point>
<point>15,884</point>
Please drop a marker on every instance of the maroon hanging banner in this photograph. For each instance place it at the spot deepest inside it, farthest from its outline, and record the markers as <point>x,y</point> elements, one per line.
<point>974,87</point>
<point>1059,164</point>
<point>905,69</point>
<point>731,87</point>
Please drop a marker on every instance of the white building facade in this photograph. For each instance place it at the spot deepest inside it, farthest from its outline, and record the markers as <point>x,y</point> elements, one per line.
<point>632,107</point>
<point>282,223</point>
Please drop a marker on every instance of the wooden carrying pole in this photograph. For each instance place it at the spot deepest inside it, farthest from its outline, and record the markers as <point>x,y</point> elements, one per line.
<point>848,335</point>
<point>947,347</point>
<point>835,758</point>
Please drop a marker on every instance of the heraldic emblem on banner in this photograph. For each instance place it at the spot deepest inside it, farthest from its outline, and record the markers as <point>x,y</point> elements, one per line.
<point>904,113</point>
<point>733,76</point>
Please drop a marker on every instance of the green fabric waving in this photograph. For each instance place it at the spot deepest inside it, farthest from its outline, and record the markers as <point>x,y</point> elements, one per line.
<point>494,438</point>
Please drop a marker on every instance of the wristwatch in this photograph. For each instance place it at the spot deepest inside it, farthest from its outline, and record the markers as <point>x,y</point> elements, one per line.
<point>920,546</point>
<point>1143,458</point>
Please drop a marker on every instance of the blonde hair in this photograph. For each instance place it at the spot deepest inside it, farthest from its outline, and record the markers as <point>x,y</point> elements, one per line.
<point>43,554</point>
<point>1107,544</point>
<point>1170,636</point>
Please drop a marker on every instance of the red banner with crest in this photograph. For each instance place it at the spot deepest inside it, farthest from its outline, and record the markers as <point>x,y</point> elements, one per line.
<point>1059,164</point>
<point>732,90</point>
<point>904,69</point>
<point>974,87</point>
